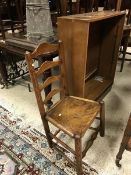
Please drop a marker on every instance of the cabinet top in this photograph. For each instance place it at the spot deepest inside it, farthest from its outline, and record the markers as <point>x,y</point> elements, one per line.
<point>93,16</point>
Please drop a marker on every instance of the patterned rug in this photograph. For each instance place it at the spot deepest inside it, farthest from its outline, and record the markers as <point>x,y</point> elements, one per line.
<point>24,151</point>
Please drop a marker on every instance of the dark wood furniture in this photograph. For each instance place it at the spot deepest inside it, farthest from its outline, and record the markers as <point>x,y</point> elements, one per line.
<point>116,4</point>
<point>12,15</point>
<point>21,13</point>
<point>126,38</point>
<point>91,44</point>
<point>5,18</point>
<point>70,114</point>
<point>64,8</point>
<point>125,42</point>
<point>88,6</point>
<point>126,142</point>
<point>67,7</point>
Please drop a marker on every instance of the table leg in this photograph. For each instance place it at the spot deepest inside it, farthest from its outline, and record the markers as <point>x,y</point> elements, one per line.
<point>125,44</point>
<point>3,73</point>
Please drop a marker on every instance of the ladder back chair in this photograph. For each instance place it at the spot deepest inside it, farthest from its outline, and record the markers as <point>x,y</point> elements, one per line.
<point>88,6</point>
<point>12,15</point>
<point>21,13</point>
<point>67,7</point>
<point>71,115</point>
<point>64,8</point>
<point>126,39</point>
<point>126,142</point>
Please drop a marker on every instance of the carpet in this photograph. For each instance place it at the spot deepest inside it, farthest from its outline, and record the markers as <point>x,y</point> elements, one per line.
<point>24,151</point>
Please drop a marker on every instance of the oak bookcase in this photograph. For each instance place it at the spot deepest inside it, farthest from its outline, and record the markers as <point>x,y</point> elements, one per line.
<point>91,44</point>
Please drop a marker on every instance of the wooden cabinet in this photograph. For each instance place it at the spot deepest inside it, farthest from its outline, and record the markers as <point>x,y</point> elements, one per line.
<point>91,43</point>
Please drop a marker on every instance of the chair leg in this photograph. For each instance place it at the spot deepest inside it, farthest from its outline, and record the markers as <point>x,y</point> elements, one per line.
<point>47,132</point>
<point>102,119</point>
<point>119,155</point>
<point>2,29</point>
<point>122,148</point>
<point>124,53</point>
<point>78,154</point>
<point>124,142</point>
<point>12,27</point>
<point>29,88</point>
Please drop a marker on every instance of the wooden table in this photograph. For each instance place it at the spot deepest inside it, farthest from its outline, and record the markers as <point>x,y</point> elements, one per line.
<point>12,51</point>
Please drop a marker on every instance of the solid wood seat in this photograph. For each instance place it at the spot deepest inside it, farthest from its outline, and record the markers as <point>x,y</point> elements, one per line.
<point>73,115</point>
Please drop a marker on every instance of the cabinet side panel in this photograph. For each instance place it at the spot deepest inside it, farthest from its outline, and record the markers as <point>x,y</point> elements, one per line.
<point>74,35</point>
<point>65,35</point>
<point>79,56</point>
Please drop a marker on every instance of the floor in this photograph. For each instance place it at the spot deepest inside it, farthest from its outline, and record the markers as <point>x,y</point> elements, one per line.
<point>101,155</point>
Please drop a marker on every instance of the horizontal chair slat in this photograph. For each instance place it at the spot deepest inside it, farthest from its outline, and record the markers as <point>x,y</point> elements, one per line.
<point>49,81</point>
<point>62,143</point>
<point>45,49</point>
<point>47,65</point>
<point>51,94</point>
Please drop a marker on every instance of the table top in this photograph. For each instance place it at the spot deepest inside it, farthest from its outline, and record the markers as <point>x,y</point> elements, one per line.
<point>18,43</point>
<point>19,40</point>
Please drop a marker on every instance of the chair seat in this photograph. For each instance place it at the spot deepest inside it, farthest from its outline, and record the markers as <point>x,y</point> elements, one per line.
<point>73,115</point>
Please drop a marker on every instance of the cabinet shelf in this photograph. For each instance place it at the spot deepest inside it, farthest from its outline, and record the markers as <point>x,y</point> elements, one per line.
<point>94,88</point>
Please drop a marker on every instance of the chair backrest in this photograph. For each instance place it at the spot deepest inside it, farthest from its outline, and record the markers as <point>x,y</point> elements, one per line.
<point>64,7</point>
<point>12,12</point>
<point>90,5</point>
<point>5,17</point>
<point>21,12</point>
<point>126,5</point>
<point>4,9</point>
<point>112,4</point>
<point>60,8</point>
<point>119,5</point>
<point>43,50</point>
<point>21,9</point>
